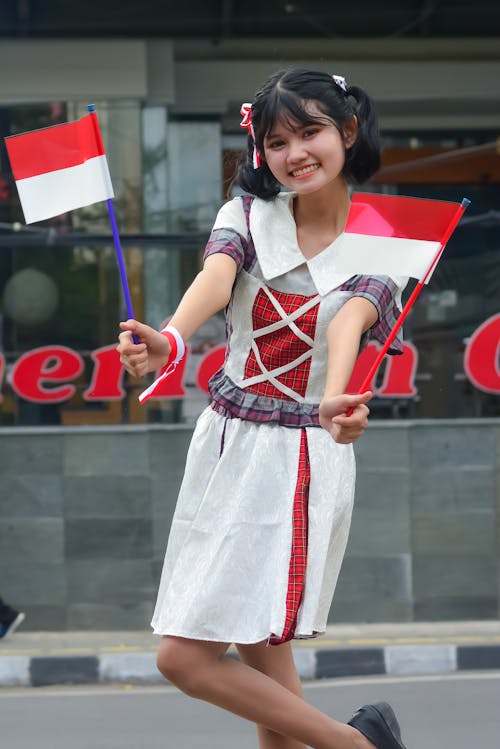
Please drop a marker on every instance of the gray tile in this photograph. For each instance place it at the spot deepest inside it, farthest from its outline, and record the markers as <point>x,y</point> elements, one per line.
<point>168,449</point>
<point>453,533</point>
<point>382,489</point>
<point>99,453</point>
<point>161,530</point>
<point>496,438</point>
<point>30,454</point>
<point>420,659</point>
<point>447,608</point>
<point>121,581</point>
<point>37,583</point>
<point>106,496</point>
<point>106,538</point>
<point>454,575</point>
<point>453,489</point>
<point>41,617</point>
<point>379,533</point>
<point>29,496</point>
<point>87,616</point>
<point>370,610</point>
<point>164,495</point>
<point>47,671</point>
<point>447,446</point>
<point>349,662</point>
<point>381,446</point>
<point>157,567</point>
<point>478,657</point>
<point>375,577</point>
<point>26,540</point>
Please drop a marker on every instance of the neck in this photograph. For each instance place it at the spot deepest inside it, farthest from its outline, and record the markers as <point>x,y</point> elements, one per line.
<point>324,208</point>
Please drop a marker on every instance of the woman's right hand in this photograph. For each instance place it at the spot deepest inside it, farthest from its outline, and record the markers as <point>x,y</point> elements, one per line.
<point>150,354</point>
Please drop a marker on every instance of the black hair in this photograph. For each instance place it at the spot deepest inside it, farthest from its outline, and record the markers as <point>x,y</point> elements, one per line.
<point>283,98</point>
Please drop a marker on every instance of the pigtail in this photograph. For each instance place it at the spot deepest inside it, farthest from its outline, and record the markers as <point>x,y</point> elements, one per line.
<point>259,182</point>
<point>363,159</point>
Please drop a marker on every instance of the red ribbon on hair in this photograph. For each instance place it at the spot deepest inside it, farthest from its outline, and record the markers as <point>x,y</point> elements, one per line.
<point>246,112</point>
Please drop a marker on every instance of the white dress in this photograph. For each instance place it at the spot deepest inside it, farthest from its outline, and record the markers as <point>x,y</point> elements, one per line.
<point>263,514</point>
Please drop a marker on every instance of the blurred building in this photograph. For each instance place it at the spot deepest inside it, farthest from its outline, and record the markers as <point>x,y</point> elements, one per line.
<point>167,83</point>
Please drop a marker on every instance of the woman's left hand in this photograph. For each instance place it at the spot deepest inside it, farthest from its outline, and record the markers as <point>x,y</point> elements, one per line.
<point>333,416</point>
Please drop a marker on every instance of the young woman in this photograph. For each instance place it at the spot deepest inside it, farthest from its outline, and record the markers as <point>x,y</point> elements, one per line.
<point>263,514</point>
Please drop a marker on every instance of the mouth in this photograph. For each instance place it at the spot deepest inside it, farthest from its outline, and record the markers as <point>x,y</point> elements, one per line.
<point>309,169</point>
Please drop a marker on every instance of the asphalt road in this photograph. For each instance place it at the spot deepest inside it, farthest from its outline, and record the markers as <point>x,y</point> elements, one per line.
<point>458,711</point>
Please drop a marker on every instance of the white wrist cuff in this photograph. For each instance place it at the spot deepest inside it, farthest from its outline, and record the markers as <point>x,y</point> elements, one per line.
<point>181,347</point>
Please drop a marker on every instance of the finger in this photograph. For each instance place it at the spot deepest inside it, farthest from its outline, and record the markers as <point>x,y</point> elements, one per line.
<point>129,348</point>
<point>134,326</point>
<point>347,423</point>
<point>359,398</point>
<point>358,416</point>
<point>134,361</point>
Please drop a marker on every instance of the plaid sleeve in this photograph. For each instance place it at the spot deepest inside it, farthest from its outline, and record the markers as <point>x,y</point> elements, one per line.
<point>229,242</point>
<point>385,294</point>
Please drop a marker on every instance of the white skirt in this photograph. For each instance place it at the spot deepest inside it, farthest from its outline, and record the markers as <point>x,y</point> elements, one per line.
<point>225,574</point>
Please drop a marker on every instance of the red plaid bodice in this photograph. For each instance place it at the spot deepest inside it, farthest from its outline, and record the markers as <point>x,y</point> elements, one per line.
<point>284,326</point>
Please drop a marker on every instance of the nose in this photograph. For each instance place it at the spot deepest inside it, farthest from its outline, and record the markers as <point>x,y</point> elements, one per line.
<point>297,150</point>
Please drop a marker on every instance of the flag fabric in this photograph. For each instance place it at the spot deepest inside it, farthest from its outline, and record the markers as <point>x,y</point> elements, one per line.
<point>391,235</point>
<point>59,168</point>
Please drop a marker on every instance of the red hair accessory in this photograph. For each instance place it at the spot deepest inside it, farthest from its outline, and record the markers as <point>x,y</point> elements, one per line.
<point>246,112</point>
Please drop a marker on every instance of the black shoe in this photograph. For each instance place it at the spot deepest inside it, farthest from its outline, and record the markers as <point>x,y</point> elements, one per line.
<point>8,627</point>
<point>379,724</point>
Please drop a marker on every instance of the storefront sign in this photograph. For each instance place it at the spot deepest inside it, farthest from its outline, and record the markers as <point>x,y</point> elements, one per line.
<point>47,374</point>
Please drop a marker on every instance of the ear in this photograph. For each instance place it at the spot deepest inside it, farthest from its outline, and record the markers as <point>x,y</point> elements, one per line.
<point>350,132</point>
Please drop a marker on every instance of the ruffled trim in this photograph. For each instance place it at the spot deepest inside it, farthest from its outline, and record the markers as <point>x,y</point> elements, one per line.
<point>231,401</point>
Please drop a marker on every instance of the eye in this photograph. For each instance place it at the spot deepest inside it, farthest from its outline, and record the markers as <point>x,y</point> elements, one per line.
<point>310,132</point>
<point>274,144</point>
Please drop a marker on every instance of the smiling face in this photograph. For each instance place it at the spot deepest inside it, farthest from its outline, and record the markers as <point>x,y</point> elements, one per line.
<point>308,157</point>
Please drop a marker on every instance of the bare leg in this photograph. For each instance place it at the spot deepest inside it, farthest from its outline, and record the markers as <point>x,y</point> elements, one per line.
<point>202,670</point>
<point>276,662</point>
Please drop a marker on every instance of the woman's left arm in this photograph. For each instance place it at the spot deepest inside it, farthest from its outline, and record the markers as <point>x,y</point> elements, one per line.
<point>344,335</point>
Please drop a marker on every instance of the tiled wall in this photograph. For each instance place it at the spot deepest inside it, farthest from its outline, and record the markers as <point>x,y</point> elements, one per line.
<point>84,517</point>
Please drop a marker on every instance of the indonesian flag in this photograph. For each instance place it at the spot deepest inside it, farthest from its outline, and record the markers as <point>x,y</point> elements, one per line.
<point>60,168</point>
<point>390,235</point>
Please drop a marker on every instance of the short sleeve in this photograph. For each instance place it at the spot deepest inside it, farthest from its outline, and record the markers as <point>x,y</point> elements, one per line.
<point>385,294</point>
<point>229,233</point>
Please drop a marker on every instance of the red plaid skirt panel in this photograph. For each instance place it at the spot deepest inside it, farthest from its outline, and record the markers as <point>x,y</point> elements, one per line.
<point>282,346</point>
<point>298,557</point>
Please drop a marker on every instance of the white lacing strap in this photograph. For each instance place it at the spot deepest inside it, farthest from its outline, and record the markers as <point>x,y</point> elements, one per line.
<point>286,321</point>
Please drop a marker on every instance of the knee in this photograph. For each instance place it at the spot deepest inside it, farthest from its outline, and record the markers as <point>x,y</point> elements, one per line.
<point>178,667</point>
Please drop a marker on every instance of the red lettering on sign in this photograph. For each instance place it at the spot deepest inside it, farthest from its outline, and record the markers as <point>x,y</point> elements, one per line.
<point>107,376</point>
<point>362,367</point>
<point>209,365</point>
<point>43,365</point>
<point>399,374</point>
<point>482,356</point>
<point>398,377</point>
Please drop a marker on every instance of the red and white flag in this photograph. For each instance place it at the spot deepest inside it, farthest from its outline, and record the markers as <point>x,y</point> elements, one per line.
<point>59,168</point>
<point>391,235</point>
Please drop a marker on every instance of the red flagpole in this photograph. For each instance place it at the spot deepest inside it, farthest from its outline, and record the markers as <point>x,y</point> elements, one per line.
<point>413,296</point>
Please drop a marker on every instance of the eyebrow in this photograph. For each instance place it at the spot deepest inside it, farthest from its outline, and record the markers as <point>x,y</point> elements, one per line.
<point>270,136</point>
<point>299,127</point>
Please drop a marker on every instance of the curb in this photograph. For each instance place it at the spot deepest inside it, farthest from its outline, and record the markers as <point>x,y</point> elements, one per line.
<point>312,663</point>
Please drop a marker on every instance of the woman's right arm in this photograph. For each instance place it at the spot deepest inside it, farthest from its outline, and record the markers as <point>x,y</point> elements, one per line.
<point>210,292</point>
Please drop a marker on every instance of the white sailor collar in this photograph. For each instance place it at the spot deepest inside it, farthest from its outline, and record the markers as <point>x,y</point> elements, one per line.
<point>274,234</point>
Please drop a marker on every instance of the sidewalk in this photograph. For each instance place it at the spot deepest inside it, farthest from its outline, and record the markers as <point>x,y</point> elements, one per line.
<point>50,658</point>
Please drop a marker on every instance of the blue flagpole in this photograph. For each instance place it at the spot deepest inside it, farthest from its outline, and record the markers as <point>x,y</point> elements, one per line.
<point>117,243</point>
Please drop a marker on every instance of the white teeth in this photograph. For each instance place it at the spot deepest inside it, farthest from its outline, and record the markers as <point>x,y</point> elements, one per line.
<point>305,170</point>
